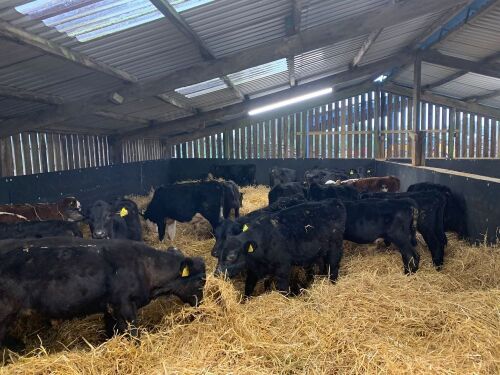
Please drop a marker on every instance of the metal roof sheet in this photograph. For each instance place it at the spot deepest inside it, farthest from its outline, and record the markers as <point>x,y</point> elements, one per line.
<point>430,73</point>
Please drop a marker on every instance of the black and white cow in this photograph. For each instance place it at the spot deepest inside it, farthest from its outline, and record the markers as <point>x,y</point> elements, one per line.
<point>182,201</point>
<point>281,176</point>
<point>63,278</point>
<point>119,220</point>
<point>455,215</point>
<point>302,235</point>
<point>242,174</point>
<point>324,175</point>
<point>430,223</point>
<point>40,229</point>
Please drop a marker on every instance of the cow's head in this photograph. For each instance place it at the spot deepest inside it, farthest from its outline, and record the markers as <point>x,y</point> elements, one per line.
<point>226,229</point>
<point>234,253</point>
<point>191,281</point>
<point>101,219</point>
<point>71,208</point>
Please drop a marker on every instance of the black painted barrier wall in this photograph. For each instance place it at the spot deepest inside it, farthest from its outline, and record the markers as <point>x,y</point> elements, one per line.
<point>194,169</point>
<point>483,167</point>
<point>481,195</point>
<point>87,185</point>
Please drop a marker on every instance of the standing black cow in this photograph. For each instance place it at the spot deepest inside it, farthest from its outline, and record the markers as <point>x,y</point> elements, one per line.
<point>40,229</point>
<point>281,175</point>
<point>119,220</point>
<point>319,192</point>
<point>287,189</point>
<point>242,174</point>
<point>233,199</point>
<point>300,235</point>
<point>62,278</point>
<point>182,201</point>
<point>391,219</point>
<point>455,216</point>
<point>430,223</point>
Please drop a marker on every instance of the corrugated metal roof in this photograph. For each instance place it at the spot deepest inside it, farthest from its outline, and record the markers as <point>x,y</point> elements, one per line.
<point>14,107</point>
<point>430,73</point>
<point>469,84</point>
<point>216,99</point>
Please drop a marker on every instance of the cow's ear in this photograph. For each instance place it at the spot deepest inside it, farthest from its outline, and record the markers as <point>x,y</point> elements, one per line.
<point>185,268</point>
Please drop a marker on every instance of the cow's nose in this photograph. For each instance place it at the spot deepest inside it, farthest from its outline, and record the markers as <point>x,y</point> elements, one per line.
<point>100,234</point>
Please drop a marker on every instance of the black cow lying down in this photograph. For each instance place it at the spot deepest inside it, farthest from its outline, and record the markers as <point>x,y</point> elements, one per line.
<point>40,229</point>
<point>301,235</point>
<point>430,221</point>
<point>455,217</point>
<point>232,228</point>
<point>62,278</point>
<point>391,219</point>
<point>182,201</point>
<point>117,220</point>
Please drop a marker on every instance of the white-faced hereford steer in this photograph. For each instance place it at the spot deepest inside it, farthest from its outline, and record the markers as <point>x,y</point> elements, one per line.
<point>63,278</point>
<point>302,235</point>
<point>66,209</point>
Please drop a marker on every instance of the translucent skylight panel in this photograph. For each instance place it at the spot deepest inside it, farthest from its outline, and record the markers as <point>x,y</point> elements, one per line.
<point>90,19</point>
<point>257,72</point>
<point>202,88</point>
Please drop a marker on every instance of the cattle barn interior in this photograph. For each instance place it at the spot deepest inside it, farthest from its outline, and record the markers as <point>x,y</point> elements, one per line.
<point>115,98</point>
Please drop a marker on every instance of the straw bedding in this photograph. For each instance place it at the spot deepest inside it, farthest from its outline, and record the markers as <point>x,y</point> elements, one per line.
<point>374,320</point>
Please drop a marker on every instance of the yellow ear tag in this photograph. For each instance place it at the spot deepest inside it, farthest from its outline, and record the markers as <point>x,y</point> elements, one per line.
<point>250,248</point>
<point>123,212</point>
<point>245,228</point>
<point>185,271</point>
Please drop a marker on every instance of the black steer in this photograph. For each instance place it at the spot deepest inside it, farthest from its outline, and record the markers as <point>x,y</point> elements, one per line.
<point>63,278</point>
<point>40,229</point>
<point>182,201</point>
<point>300,235</point>
<point>232,228</point>
<point>118,220</point>
<point>455,216</point>
<point>281,175</point>
<point>322,175</point>
<point>242,174</point>
<point>320,192</point>
<point>430,221</point>
<point>391,219</point>
<point>233,199</point>
<point>287,189</point>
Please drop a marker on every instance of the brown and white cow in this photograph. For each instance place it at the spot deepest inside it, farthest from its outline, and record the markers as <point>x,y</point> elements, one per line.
<point>66,209</point>
<point>374,184</point>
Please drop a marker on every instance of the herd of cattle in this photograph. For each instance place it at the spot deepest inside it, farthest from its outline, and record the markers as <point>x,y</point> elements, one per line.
<point>47,267</point>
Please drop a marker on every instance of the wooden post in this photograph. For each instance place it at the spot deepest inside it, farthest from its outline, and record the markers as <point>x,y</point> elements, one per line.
<point>377,113</point>
<point>451,133</point>
<point>418,139</point>
<point>6,165</point>
<point>115,150</point>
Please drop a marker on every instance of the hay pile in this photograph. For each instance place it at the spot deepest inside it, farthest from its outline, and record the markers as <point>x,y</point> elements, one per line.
<point>374,320</point>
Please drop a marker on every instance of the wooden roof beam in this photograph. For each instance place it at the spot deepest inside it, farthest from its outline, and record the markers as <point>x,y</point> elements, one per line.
<point>304,41</point>
<point>31,96</point>
<point>478,98</point>
<point>20,36</point>
<point>365,47</point>
<point>292,27</point>
<point>483,67</point>
<point>170,99</point>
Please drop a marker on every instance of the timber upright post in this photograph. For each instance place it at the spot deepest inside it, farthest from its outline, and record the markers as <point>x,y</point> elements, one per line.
<point>115,150</point>
<point>378,152</point>
<point>417,136</point>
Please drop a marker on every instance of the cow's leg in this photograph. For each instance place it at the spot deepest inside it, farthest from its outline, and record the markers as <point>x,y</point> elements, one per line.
<point>333,258</point>
<point>283,278</point>
<point>7,316</point>
<point>126,318</point>
<point>236,212</point>
<point>435,246</point>
<point>110,324</point>
<point>226,211</point>
<point>250,283</point>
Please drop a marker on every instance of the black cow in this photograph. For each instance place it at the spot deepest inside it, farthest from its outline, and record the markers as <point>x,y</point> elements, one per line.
<point>455,215</point>
<point>233,199</point>
<point>119,220</point>
<point>391,219</point>
<point>232,228</point>
<point>431,205</point>
<point>40,229</point>
<point>300,235</point>
<point>182,201</point>
<point>319,192</point>
<point>287,189</point>
<point>323,175</point>
<point>281,175</point>
<point>242,174</point>
<point>63,278</point>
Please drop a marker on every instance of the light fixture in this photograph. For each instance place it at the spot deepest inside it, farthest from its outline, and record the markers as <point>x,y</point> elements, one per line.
<point>287,102</point>
<point>380,78</point>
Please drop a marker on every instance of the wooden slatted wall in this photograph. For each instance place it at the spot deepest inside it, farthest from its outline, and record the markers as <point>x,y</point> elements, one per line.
<point>142,150</point>
<point>29,153</point>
